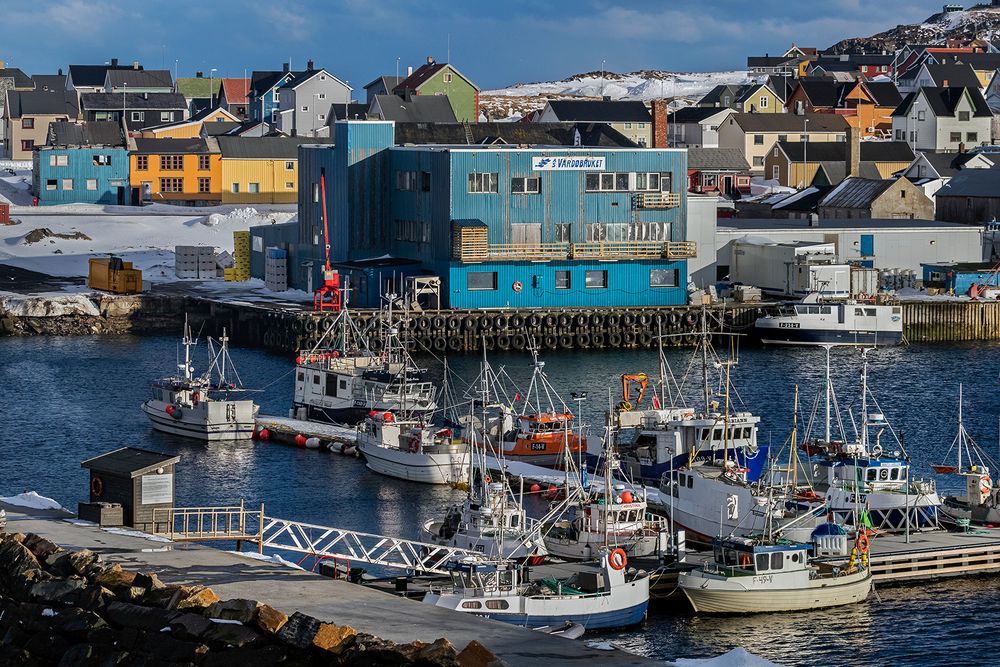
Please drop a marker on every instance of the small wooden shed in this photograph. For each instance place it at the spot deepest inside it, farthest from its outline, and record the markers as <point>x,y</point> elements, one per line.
<point>138,479</point>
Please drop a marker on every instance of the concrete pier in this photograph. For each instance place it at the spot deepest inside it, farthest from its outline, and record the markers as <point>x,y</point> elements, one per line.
<point>290,590</point>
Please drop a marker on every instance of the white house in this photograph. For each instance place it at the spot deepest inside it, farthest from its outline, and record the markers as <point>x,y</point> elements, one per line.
<point>943,119</point>
<point>306,102</point>
<point>696,127</point>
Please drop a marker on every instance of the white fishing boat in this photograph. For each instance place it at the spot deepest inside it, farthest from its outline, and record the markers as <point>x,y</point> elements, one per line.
<point>607,597</point>
<point>202,407</point>
<point>413,450</point>
<point>815,322</point>
<point>747,576</point>
<point>341,380</point>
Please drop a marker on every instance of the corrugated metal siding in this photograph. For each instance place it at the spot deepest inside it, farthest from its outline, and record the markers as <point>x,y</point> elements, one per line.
<point>628,285</point>
<point>359,172</point>
<point>80,168</point>
<point>269,174</point>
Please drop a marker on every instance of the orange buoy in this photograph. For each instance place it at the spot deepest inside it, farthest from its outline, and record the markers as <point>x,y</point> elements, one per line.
<point>535,488</point>
<point>300,440</point>
<point>264,435</point>
<point>627,497</point>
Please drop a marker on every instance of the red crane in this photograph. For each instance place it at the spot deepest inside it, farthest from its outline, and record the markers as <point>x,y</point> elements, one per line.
<point>327,297</point>
<point>979,288</point>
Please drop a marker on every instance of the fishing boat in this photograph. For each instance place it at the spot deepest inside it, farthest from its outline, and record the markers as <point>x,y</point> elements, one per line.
<point>341,380</point>
<point>980,505</point>
<point>815,322</point>
<point>747,576</point>
<point>588,521</point>
<point>203,407</point>
<point>607,597</point>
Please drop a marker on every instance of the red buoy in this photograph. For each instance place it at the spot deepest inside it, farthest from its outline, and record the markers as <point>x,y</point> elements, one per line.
<point>264,435</point>
<point>298,360</point>
<point>387,417</point>
<point>300,440</point>
<point>372,413</point>
<point>170,410</point>
<point>627,497</point>
<point>535,488</point>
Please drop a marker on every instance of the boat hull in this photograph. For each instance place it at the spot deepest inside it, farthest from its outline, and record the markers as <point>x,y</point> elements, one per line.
<point>776,336</point>
<point>198,429</point>
<point>633,547</point>
<point>425,468</point>
<point>608,620</point>
<point>730,597</point>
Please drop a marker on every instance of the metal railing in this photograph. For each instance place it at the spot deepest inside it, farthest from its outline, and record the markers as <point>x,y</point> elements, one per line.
<point>479,252</point>
<point>656,200</point>
<point>209,523</point>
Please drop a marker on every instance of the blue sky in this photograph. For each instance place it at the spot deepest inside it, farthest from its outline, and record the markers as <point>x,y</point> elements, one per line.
<point>496,44</point>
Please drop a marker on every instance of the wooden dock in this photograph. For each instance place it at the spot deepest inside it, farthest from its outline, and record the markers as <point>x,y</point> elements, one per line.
<point>935,554</point>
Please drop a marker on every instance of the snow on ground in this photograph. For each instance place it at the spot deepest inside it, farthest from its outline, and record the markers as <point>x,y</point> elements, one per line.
<point>145,240</point>
<point>47,305</point>
<point>135,533</point>
<point>738,657</point>
<point>251,290</point>
<point>15,188</point>
<point>31,500</point>
<point>643,85</point>
<point>274,558</point>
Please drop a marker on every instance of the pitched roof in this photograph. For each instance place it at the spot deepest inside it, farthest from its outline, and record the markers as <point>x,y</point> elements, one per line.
<point>306,75</point>
<point>600,111</point>
<point>424,73</point>
<point>855,193</point>
<point>824,92</point>
<point>197,86</point>
<point>419,109</point>
<point>953,75</point>
<point>352,110</point>
<point>388,82</point>
<point>944,100</point>
<point>823,151</point>
<point>129,461</point>
<point>769,61</point>
<point>803,200</point>
<point>949,164</point>
<point>96,133</point>
<point>717,158</point>
<point>189,145</point>
<point>236,90</point>
<point>21,80</point>
<point>531,134</point>
<point>49,81</point>
<point>787,122</point>
<point>973,183</point>
<point>884,93</point>
<point>41,103</point>
<point>783,86</point>
<point>262,81</point>
<point>715,95</point>
<point>695,114</point>
<point>139,101</point>
<point>979,61</point>
<point>263,148</point>
<point>93,75</point>
<point>218,128</point>
<point>140,78</point>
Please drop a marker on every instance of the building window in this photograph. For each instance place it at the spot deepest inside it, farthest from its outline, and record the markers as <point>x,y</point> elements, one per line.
<point>663,277</point>
<point>141,162</point>
<point>102,160</point>
<point>27,144</point>
<point>137,116</point>
<point>425,181</point>
<point>900,135</point>
<point>290,165</point>
<point>758,140</point>
<point>236,187</point>
<point>709,180</point>
<point>407,180</point>
<point>289,185</point>
<point>525,185</point>
<point>28,123</point>
<point>563,280</point>
<point>204,184</point>
<point>51,184</point>
<point>481,281</point>
<point>447,77</point>
<point>763,101</point>
<point>628,126</point>
<point>58,160</point>
<point>972,136</point>
<point>203,162</point>
<point>315,192</point>
<point>963,116</point>
<point>67,184</point>
<point>253,188</point>
<point>487,182</point>
<point>166,116</point>
<point>775,172</point>
<point>647,182</point>
<point>596,279</point>
<point>305,108</point>
<point>322,96</point>
<point>921,115</point>
<point>172,162</point>
<point>563,232</point>
<point>956,137</point>
<point>758,160</point>
<point>171,185</point>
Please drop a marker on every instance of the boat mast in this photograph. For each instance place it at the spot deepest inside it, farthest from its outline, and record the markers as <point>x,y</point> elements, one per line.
<point>828,389</point>
<point>704,358</point>
<point>961,428</point>
<point>864,400</point>
<point>188,344</point>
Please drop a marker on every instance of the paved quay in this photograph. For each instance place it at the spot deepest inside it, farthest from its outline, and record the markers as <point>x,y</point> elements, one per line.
<point>291,590</point>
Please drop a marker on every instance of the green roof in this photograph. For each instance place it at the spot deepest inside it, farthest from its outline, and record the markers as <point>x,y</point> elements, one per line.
<point>198,87</point>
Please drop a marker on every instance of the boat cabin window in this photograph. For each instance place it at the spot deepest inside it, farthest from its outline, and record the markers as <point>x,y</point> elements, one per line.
<point>472,604</point>
<point>870,312</point>
<point>497,604</point>
<point>762,561</point>
<point>316,379</point>
<point>795,557</point>
<point>859,312</point>
<point>514,520</point>
<point>331,385</point>
<point>506,580</point>
<point>872,473</point>
<point>777,560</point>
<point>895,474</point>
<point>302,377</point>
<point>343,384</point>
<point>681,478</point>
<point>826,310</point>
<point>690,481</point>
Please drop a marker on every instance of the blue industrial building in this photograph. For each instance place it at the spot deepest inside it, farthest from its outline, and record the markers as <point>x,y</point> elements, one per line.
<point>499,225</point>
<point>958,277</point>
<point>82,164</point>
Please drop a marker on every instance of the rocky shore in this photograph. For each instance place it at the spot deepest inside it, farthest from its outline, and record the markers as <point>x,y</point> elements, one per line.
<point>70,608</point>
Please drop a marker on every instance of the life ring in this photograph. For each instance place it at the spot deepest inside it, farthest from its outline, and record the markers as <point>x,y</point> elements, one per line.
<point>195,397</point>
<point>862,542</point>
<point>985,485</point>
<point>97,486</point>
<point>487,479</point>
<point>618,560</point>
<point>414,446</point>
<point>877,451</point>
<point>517,286</point>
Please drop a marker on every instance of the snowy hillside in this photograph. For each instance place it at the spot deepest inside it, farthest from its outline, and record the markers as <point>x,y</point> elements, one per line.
<point>982,21</point>
<point>684,87</point>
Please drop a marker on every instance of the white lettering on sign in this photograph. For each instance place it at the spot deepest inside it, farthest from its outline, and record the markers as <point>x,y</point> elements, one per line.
<point>568,163</point>
<point>157,489</point>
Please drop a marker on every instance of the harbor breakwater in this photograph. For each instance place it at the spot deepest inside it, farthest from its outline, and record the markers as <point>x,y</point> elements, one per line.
<point>281,328</point>
<point>60,607</point>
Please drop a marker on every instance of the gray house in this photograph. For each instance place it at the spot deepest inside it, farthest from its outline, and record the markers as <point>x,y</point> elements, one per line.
<point>943,119</point>
<point>306,102</point>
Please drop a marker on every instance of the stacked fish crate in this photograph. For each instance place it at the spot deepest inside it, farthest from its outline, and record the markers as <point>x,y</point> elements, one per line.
<point>240,270</point>
<point>191,261</point>
<point>276,270</point>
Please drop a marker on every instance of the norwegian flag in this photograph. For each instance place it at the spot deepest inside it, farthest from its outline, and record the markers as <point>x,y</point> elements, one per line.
<point>517,397</point>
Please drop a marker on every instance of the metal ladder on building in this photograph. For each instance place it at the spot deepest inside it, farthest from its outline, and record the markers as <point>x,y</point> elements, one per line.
<point>236,523</point>
<point>469,139</point>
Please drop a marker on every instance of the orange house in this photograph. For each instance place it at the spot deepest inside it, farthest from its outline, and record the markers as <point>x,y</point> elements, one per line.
<point>175,171</point>
<point>872,104</point>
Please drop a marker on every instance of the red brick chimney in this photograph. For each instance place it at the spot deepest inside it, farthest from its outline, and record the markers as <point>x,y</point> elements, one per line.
<point>660,122</point>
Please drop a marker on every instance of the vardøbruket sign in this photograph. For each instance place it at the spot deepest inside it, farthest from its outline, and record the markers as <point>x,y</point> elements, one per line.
<point>567,163</point>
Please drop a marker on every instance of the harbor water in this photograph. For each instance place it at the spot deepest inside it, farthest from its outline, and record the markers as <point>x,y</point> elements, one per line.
<point>63,400</point>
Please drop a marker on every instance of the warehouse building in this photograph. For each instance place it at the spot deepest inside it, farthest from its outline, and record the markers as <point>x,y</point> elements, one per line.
<point>499,225</point>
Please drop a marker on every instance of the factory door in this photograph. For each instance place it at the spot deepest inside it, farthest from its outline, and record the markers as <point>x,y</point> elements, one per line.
<point>867,245</point>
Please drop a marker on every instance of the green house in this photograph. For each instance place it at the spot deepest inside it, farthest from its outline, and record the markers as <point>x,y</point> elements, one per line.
<point>443,79</point>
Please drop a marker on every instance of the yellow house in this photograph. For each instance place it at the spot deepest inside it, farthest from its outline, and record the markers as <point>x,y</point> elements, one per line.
<point>192,127</point>
<point>175,171</point>
<point>758,98</point>
<point>261,170</point>
<point>755,134</point>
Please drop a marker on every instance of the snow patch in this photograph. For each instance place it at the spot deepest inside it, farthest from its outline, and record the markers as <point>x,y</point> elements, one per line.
<point>738,657</point>
<point>274,558</point>
<point>48,612</point>
<point>31,500</point>
<point>135,533</point>
<point>47,305</point>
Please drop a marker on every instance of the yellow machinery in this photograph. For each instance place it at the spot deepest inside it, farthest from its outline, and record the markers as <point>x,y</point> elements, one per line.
<point>112,274</point>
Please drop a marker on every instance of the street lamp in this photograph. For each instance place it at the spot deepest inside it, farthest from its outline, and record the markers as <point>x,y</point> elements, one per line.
<point>315,109</point>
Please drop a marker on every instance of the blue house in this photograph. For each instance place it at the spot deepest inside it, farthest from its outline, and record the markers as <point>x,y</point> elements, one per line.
<point>264,98</point>
<point>501,226</point>
<point>82,164</point>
